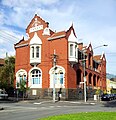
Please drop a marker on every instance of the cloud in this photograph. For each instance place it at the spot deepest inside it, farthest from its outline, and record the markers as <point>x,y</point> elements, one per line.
<point>1,18</point>
<point>94,21</point>
<point>26,3</point>
<point>2,53</point>
<point>23,9</point>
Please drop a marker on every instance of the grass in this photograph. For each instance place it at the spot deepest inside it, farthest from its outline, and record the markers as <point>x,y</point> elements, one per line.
<point>84,116</point>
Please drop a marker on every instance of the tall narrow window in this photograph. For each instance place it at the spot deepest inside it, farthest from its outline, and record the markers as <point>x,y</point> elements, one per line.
<point>71,49</point>
<point>32,52</point>
<point>37,51</point>
<point>61,77</point>
<point>56,75</point>
<point>20,77</point>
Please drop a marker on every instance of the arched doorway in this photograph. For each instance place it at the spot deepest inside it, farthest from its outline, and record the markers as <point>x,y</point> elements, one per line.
<point>94,80</point>
<point>90,79</point>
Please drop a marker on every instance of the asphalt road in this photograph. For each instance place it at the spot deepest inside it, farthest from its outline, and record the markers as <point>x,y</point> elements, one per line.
<point>32,110</point>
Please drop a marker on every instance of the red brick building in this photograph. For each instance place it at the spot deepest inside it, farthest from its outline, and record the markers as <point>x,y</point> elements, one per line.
<point>2,62</point>
<point>48,56</point>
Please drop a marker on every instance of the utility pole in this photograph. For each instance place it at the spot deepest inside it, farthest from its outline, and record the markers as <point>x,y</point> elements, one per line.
<point>54,65</point>
<point>84,77</point>
<point>84,66</point>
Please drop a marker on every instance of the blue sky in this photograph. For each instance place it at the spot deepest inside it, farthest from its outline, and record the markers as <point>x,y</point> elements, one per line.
<point>94,21</point>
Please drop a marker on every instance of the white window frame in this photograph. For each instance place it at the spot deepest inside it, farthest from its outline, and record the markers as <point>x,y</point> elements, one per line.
<point>31,85</point>
<point>20,73</point>
<point>56,76</point>
<point>36,59</point>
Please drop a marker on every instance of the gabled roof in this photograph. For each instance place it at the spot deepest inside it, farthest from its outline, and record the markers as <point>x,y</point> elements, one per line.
<point>34,18</point>
<point>57,35</point>
<point>97,58</point>
<point>89,47</point>
<point>21,43</point>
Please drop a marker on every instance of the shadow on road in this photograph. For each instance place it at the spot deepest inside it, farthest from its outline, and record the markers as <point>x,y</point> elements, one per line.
<point>110,104</point>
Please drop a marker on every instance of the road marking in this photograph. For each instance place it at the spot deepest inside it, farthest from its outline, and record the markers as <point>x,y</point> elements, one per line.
<point>37,103</point>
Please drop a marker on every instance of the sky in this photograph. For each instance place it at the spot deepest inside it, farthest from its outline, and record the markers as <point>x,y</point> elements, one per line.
<point>94,22</point>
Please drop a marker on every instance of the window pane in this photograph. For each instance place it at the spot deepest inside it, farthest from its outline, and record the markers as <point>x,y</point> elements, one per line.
<point>35,80</point>
<point>21,78</point>
<point>37,52</point>
<point>25,77</point>
<point>55,78</point>
<point>36,76</point>
<point>61,78</point>
<point>36,71</point>
<point>71,49</point>
<point>32,52</point>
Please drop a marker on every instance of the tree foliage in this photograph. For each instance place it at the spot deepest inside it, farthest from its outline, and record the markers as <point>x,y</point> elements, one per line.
<point>7,73</point>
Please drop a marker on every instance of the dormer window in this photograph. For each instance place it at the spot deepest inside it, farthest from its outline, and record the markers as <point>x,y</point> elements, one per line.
<point>35,51</point>
<point>72,48</point>
<point>73,52</point>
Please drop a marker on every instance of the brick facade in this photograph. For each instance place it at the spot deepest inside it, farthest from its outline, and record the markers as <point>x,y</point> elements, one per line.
<point>34,63</point>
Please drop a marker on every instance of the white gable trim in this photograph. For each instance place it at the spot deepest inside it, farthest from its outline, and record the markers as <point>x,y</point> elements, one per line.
<point>72,37</point>
<point>35,39</point>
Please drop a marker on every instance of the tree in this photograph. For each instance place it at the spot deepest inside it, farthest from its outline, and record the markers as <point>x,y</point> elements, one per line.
<point>7,73</point>
<point>23,87</point>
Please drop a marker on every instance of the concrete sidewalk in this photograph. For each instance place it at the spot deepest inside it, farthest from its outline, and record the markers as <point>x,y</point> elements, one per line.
<point>45,101</point>
<point>42,101</point>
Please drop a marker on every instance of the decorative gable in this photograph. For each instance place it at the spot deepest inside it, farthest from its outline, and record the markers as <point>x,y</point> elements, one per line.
<point>90,47</point>
<point>35,40</point>
<point>36,24</point>
<point>72,37</point>
<point>103,56</point>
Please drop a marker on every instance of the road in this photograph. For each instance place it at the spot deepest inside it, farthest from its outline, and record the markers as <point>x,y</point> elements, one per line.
<point>31,110</point>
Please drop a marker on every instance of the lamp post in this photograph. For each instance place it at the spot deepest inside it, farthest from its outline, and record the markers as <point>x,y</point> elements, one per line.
<point>84,66</point>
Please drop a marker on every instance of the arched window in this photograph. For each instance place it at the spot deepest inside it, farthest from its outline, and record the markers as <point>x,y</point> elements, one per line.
<point>35,76</point>
<point>57,76</point>
<point>20,75</point>
<point>37,52</point>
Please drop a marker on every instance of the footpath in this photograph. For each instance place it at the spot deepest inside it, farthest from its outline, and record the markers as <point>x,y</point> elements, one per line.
<point>48,101</point>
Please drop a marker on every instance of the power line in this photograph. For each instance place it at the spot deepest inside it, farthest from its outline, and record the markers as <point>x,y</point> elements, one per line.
<point>8,37</point>
<point>9,41</point>
<point>9,34</point>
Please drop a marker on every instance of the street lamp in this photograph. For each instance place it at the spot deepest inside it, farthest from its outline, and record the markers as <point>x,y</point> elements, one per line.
<point>100,46</point>
<point>84,77</point>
